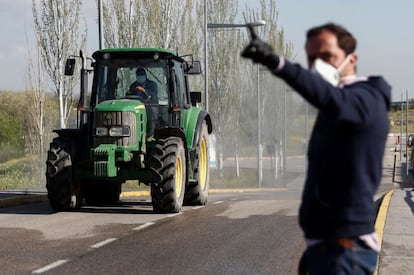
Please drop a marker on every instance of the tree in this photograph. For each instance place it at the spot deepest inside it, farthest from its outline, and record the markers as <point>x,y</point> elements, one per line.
<point>58,36</point>
<point>34,120</point>
<point>122,23</point>
<point>223,52</point>
<point>148,23</point>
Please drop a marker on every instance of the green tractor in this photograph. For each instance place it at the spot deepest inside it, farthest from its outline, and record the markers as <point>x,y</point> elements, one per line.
<point>140,123</point>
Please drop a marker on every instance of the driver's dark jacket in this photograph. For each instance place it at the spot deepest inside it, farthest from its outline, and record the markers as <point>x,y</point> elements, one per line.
<point>345,153</point>
<point>149,86</point>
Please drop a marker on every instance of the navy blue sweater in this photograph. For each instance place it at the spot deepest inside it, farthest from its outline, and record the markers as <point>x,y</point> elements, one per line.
<point>345,153</point>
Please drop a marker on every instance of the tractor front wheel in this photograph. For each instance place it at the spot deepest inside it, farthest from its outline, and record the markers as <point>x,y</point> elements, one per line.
<point>169,159</point>
<point>63,192</point>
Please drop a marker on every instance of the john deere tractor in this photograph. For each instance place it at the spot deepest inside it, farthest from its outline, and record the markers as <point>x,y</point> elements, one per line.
<point>129,129</point>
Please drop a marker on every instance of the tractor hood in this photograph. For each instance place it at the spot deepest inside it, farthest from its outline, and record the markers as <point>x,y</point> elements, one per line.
<point>124,105</point>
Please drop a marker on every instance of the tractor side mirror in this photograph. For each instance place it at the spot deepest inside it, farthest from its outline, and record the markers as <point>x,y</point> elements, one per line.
<point>192,67</point>
<point>70,66</point>
<point>195,98</point>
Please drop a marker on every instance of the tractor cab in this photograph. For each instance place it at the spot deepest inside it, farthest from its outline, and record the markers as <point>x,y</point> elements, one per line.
<point>155,78</point>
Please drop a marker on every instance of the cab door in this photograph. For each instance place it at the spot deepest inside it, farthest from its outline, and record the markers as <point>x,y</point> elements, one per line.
<point>179,99</point>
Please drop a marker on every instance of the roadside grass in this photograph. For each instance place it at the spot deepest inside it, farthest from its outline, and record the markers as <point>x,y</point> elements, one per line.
<point>397,123</point>
<point>133,185</point>
<point>19,174</point>
<point>247,179</point>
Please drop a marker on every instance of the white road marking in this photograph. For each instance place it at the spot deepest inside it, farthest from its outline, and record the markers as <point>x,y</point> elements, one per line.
<point>198,207</point>
<point>218,202</point>
<point>173,215</point>
<point>100,244</point>
<point>142,226</point>
<point>50,266</point>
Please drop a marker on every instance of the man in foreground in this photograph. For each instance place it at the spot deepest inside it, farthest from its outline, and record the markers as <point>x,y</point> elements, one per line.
<point>346,149</point>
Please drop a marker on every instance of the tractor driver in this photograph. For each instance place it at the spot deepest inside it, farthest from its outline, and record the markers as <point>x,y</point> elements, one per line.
<point>143,87</point>
<point>146,90</point>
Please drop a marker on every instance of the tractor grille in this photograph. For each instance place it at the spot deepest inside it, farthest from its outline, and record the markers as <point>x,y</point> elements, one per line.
<point>116,119</point>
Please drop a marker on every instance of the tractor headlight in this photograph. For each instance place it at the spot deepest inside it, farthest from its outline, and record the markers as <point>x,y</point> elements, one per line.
<point>101,131</point>
<point>119,131</point>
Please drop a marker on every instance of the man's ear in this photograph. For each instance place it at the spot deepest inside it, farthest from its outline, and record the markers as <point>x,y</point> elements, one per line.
<point>354,59</point>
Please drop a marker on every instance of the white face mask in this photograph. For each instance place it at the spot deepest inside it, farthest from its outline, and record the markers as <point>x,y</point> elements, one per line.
<point>329,72</point>
<point>141,78</point>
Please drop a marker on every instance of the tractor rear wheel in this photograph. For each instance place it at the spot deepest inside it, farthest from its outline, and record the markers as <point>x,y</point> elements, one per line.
<point>63,192</point>
<point>196,192</point>
<point>169,159</point>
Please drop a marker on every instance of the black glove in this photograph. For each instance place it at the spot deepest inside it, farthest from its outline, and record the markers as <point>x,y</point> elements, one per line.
<point>260,52</point>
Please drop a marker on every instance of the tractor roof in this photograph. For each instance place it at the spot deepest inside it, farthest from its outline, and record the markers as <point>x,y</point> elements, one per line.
<point>136,52</point>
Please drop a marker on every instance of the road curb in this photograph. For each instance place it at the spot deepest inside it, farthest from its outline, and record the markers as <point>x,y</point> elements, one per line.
<point>126,194</point>
<point>34,198</point>
<point>381,219</point>
<point>134,194</point>
<point>23,199</point>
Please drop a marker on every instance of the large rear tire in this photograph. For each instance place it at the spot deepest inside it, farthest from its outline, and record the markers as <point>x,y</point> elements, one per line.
<point>169,159</point>
<point>196,192</point>
<point>63,192</point>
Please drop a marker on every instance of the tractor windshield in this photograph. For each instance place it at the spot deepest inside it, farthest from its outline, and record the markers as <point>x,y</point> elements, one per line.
<point>143,79</point>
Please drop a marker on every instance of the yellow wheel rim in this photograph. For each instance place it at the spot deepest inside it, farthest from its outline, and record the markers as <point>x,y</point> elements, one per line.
<point>178,177</point>
<point>203,164</point>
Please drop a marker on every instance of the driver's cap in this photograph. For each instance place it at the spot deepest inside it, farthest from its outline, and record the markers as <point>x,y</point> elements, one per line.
<point>141,71</point>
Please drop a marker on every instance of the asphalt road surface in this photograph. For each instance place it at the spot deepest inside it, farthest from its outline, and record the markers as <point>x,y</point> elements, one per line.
<point>236,233</point>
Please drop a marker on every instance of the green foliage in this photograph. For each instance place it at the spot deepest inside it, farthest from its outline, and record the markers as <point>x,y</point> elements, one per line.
<point>11,125</point>
<point>11,130</point>
<point>17,172</point>
<point>14,179</point>
<point>20,174</point>
<point>14,118</point>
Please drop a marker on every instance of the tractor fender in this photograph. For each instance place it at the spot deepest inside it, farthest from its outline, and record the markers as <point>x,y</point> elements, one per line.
<point>202,116</point>
<point>171,132</point>
<point>193,122</point>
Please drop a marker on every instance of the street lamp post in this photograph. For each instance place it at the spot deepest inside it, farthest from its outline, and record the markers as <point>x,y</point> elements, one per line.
<point>284,131</point>
<point>218,26</point>
<point>205,57</point>
<point>406,135</point>
<point>259,131</point>
<point>232,26</point>
<point>100,23</point>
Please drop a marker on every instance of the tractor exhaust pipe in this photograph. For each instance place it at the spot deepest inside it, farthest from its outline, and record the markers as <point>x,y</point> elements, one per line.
<point>83,91</point>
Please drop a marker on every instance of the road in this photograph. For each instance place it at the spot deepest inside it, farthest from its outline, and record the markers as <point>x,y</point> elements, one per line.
<point>236,233</point>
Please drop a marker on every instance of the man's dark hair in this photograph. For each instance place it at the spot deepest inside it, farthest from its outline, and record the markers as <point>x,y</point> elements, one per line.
<point>346,40</point>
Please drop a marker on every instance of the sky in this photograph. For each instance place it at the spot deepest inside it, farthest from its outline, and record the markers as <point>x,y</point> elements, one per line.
<point>383,28</point>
